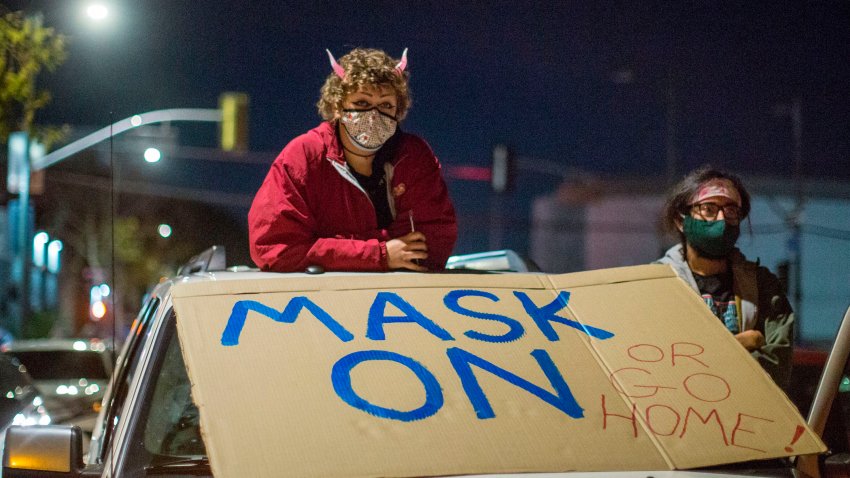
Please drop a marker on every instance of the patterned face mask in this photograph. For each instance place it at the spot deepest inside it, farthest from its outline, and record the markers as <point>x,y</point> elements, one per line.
<point>368,129</point>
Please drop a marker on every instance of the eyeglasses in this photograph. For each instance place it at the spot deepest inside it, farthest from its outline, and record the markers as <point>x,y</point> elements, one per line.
<point>710,210</point>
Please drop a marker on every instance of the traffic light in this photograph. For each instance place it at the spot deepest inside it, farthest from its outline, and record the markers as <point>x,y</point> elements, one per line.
<point>99,303</point>
<point>234,121</point>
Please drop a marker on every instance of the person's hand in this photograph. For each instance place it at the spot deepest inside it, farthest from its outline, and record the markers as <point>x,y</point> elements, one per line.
<point>750,339</point>
<point>402,252</point>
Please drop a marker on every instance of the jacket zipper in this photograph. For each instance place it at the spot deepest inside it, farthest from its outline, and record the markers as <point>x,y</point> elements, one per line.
<point>389,168</point>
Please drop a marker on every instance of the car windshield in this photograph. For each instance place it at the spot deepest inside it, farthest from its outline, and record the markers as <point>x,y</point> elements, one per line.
<point>62,364</point>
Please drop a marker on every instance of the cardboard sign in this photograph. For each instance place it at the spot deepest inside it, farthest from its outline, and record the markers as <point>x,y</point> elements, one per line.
<point>429,375</point>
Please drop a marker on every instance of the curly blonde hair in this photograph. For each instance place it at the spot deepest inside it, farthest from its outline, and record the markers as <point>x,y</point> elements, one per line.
<point>363,67</point>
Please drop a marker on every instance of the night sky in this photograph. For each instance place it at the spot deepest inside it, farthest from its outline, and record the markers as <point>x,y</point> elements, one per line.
<point>582,84</point>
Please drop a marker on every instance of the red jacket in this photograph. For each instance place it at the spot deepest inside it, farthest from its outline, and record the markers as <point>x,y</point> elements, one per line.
<point>311,210</point>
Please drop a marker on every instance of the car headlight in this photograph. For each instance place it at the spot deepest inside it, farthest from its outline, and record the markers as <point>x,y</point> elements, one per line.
<point>34,414</point>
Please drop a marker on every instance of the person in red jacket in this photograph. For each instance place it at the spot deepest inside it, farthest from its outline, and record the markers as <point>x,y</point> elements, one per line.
<point>355,193</point>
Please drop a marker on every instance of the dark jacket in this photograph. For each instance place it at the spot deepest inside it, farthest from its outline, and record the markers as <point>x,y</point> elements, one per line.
<point>763,307</point>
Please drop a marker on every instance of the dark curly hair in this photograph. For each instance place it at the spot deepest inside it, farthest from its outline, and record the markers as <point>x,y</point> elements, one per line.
<point>363,67</point>
<point>679,199</point>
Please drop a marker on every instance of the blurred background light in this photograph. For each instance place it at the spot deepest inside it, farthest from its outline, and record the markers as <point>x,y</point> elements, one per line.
<point>38,242</point>
<point>97,12</point>
<point>164,230</point>
<point>98,310</point>
<point>54,248</point>
<point>152,155</point>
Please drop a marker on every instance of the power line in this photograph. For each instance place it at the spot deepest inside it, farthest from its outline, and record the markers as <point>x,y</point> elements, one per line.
<point>154,189</point>
<point>829,232</point>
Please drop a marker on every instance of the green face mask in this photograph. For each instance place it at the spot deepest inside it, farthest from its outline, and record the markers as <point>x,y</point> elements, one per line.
<point>712,239</point>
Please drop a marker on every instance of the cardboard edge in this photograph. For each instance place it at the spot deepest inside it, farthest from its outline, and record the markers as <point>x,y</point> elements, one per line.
<point>615,275</point>
<point>400,280</point>
<point>353,282</point>
<point>197,397</point>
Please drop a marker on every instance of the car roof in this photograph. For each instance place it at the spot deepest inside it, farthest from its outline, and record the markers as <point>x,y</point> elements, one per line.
<point>250,274</point>
<point>244,273</point>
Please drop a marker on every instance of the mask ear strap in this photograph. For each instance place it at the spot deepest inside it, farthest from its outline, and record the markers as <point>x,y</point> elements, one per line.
<point>339,70</point>
<point>680,224</point>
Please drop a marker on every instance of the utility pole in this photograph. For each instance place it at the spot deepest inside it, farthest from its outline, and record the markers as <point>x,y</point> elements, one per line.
<point>671,127</point>
<point>796,217</point>
<point>501,182</point>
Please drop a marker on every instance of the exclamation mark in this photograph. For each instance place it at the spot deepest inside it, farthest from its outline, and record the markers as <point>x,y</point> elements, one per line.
<point>797,434</point>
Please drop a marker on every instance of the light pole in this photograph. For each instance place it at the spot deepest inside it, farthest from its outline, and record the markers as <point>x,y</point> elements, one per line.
<point>120,126</point>
<point>18,181</point>
<point>794,218</point>
<point>103,134</point>
<point>626,76</point>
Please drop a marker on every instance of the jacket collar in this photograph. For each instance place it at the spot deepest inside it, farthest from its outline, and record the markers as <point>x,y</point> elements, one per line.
<point>333,147</point>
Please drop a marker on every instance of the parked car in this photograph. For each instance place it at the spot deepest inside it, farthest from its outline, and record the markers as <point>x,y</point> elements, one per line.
<point>72,375</point>
<point>20,402</point>
<point>150,426</point>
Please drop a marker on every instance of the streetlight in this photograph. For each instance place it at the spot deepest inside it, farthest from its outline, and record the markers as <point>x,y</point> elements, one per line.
<point>164,230</point>
<point>97,18</point>
<point>38,242</point>
<point>152,155</point>
<point>97,12</point>
<point>53,260</point>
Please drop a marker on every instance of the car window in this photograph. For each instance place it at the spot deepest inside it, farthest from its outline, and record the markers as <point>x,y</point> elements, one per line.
<point>125,370</point>
<point>172,427</point>
<point>164,433</point>
<point>63,364</point>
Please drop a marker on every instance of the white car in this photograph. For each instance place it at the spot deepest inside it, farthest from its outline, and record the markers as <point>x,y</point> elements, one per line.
<point>71,374</point>
<point>20,402</point>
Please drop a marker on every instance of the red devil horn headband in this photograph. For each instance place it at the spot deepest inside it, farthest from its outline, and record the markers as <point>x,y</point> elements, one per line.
<point>340,71</point>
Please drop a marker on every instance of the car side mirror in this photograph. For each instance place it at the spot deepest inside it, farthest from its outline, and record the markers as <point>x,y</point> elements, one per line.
<point>51,451</point>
